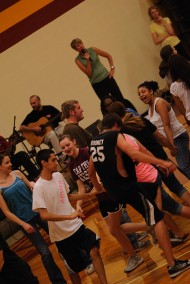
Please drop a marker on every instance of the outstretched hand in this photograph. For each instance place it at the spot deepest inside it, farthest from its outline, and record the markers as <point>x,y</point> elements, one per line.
<point>79,208</point>
<point>28,228</point>
<point>94,191</point>
<point>32,183</point>
<point>167,167</point>
<point>76,214</point>
<point>173,151</point>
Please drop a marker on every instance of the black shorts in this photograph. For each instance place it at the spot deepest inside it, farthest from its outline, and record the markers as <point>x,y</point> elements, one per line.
<point>140,196</point>
<point>70,248</point>
<point>108,206</point>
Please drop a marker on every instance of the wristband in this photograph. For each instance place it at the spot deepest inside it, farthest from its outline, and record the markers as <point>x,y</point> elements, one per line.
<point>112,67</point>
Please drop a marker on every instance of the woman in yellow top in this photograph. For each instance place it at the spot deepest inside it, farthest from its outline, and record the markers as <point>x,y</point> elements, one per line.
<point>163,32</point>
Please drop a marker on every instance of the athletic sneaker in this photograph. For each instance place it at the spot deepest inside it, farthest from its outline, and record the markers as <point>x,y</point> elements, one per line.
<point>90,269</point>
<point>141,245</point>
<point>133,262</point>
<point>175,240</point>
<point>179,267</point>
<point>141,236</point>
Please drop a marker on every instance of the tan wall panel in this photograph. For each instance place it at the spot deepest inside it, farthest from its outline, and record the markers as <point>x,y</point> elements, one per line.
<point>43,63</point>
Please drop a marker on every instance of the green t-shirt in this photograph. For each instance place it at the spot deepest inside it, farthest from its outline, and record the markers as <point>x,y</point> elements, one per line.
<point>99,72</point>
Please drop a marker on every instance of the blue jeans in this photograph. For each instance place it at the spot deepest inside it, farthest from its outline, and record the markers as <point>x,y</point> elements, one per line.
<point>183,154</point>
<point>173,184</point>
<point>53,271</point>
<point>169,204</point>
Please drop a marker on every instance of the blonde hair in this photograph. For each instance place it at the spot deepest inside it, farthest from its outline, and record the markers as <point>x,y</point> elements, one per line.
<point>131,122</point>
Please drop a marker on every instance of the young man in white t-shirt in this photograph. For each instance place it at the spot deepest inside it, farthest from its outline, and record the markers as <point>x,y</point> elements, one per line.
<point>51,199</point>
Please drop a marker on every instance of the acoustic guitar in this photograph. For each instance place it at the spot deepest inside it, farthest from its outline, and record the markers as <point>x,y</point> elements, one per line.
<point>34,138</point>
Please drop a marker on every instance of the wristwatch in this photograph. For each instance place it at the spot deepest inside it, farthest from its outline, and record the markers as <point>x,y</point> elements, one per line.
<point>112,67</point>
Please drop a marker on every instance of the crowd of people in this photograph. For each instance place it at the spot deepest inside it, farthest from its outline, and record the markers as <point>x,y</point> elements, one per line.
<point>124,164</point>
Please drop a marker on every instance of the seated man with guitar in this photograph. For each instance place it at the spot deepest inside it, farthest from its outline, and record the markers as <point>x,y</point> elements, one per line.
<point>42,125</point>
<point>18,159</point>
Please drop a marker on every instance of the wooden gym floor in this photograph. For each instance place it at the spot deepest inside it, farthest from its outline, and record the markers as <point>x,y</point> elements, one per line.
<point>153,270</point>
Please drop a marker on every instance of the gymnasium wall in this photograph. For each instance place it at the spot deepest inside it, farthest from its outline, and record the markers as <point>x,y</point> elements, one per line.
<point>43,62</point>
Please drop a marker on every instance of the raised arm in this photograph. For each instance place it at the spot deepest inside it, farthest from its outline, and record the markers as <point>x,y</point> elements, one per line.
<point>109,58</point>
<point>86,69</point>
<point>136,155</point>
<point>168,26</point>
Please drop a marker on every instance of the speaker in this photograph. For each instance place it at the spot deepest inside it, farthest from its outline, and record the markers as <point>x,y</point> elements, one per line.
<point>93,128</point>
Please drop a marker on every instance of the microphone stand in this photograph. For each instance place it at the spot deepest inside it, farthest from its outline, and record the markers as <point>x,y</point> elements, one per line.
<point>16,135</point>
<point>14,128</point>
<point>12,139</point>
<point>17,138</point>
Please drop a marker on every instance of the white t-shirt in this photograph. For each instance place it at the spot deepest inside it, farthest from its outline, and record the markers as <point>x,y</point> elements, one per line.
<point>179,90</point>
<point>52,195</point>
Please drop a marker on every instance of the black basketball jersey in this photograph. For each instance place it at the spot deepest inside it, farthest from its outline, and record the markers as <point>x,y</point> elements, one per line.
<point>102,150</point>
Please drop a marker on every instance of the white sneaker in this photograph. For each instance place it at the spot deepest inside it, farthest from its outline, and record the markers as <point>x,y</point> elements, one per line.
<point>90,269</point>
<point>133,262</point>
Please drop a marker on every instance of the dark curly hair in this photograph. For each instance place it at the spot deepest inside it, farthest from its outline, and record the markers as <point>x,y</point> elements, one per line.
<point>166,52</point>
<point>179,68</point>
<point>163,69</point>
<point>150,85</point>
